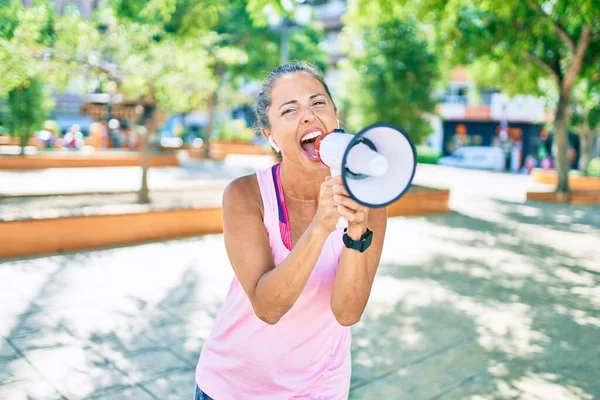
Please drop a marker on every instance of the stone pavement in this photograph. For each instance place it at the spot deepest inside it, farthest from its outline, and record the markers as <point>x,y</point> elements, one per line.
<point>190,175</point>
<point>64,192</point>
<point>497,299</point>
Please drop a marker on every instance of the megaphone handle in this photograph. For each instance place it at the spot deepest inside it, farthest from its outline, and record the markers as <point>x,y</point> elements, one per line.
<point>342,222</point>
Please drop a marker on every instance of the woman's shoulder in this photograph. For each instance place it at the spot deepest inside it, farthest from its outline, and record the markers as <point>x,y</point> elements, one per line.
<point>242,193</point>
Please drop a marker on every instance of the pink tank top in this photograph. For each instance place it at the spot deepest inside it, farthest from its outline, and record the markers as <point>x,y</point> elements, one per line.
<point>306,355</point>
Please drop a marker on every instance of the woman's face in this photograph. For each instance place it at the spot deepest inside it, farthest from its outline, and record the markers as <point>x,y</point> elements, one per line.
<point>300,111</point>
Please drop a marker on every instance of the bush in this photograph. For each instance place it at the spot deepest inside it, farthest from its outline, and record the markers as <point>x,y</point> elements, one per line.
<point>427,155</point>
<point>27,110</point>
<point>235,129</point>
<point>594,167</point>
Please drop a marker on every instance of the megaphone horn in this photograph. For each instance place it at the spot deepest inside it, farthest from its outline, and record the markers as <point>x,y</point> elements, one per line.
<point>377,164</point>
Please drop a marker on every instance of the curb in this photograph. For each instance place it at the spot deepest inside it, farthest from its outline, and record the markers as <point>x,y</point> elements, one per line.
<point>33,162</point>
<point>580,197</point>
<point>576,182</point>
<point>57,235</point>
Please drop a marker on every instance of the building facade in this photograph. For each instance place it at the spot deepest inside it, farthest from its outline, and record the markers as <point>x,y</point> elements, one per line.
<point>472,116</point>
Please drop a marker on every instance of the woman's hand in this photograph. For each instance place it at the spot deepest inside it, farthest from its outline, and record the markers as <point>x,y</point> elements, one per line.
<point>335,202</point>
<point>327,214</point>
<point>356,214</point>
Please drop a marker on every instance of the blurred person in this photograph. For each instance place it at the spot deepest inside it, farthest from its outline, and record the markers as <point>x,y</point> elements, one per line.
<point>44,138</point>
<point>283,331</point>
<point>47,136</point>
<point>74,138</point>
<point>547,162</point>
<point>96,135</point>
<point>114,133</point>
<point>529,164</point>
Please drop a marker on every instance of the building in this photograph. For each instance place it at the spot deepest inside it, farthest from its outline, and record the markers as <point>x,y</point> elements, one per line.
<point>466,115</point>
<point>471,116</point>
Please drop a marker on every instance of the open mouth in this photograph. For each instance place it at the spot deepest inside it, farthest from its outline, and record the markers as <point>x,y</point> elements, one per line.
<point>308,143</point>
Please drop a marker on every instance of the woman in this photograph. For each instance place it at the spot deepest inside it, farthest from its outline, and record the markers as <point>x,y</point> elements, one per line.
<point>283,330</point>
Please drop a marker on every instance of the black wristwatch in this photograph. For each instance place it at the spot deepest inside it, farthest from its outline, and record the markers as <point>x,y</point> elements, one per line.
<point>360,245</point>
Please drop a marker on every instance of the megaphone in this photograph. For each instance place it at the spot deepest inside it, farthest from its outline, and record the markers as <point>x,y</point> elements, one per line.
<point>377,164</point>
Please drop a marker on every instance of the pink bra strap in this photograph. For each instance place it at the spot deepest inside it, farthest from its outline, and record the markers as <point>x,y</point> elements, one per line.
<point>284,221</point>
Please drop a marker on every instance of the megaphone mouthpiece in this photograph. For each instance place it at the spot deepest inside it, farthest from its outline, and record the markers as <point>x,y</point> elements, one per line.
<point>361,159</point>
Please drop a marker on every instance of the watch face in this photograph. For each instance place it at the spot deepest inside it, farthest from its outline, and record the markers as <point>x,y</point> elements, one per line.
<point>360,245</point>
<point>368,238</point>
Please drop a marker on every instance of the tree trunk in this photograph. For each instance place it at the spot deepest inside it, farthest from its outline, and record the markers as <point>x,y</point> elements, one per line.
<point>23,141</point>
<point>144,195</point>
<point>212,107</point>
<point>150,125</point>
<point>561,139</point>
<point>585,145</point>
<point>563,109</point>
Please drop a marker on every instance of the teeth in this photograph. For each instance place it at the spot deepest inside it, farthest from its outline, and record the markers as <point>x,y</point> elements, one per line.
<point>310,135</point>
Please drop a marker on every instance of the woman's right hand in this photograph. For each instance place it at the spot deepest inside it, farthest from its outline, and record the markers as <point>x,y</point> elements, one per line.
<point>327,215</point>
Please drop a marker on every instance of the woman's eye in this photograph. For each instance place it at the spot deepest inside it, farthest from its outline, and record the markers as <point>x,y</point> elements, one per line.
<point>320,102</point>
<point>288,111</point>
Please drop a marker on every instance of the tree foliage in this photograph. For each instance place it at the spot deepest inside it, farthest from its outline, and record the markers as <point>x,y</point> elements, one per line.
<point>27,110</point>
<point>515,45</point>
<point>390,78</point>
<point>172,56</point>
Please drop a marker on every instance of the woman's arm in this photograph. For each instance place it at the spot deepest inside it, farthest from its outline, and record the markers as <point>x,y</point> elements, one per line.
<point>272,291</point>
<point>356,270</point>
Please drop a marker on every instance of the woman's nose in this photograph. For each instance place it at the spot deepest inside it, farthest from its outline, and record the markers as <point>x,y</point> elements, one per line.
<point>308,116</point>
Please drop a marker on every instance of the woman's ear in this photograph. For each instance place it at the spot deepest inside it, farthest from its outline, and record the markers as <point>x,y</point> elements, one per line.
<point>265,133</point>
<point>273,144</point>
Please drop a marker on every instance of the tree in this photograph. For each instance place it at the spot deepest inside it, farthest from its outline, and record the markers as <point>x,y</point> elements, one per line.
<point>160,69</point>
<point>170,56</point>
<point>156,69</point>
<point>27,101</point>
<point>27,110</point>
<point>390,77</point>
<point>521,43</point>
<point>586,118</point>
<point>244,46</point>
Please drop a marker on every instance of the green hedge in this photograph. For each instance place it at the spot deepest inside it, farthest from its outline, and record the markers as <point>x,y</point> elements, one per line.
<point>235,129</point>
<point>427,155</point>
<point>594,167</point>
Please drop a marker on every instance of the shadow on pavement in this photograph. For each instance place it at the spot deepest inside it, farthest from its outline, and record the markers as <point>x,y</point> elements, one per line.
<point>503,305</point>
<point>572,218</point>
<point>117,343</point>
<point>498,311</point>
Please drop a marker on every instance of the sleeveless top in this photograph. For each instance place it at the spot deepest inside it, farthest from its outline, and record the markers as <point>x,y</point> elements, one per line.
<point>305,355</point>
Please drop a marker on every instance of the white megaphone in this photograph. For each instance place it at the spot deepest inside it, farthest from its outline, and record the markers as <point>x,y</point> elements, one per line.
<point>377,164</point>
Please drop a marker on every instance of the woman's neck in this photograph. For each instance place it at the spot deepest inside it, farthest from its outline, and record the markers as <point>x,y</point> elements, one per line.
<point>299,184</point>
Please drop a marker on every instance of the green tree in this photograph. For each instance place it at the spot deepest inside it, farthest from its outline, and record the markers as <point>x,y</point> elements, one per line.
<point>390,78</point>
<point>130,43</point>
<point>158,70</point>
<point>245,48</point>
<point>241,46</point>
<point>520,44</point>
<point>169,56</point>
<point>586,118</point>
<point>27,110</point>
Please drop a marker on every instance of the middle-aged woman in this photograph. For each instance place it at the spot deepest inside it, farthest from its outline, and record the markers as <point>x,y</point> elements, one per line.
<point>283,330</point>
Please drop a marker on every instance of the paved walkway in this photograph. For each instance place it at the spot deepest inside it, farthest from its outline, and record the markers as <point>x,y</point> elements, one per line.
<point>497,299</point>
<point>191,175</point>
